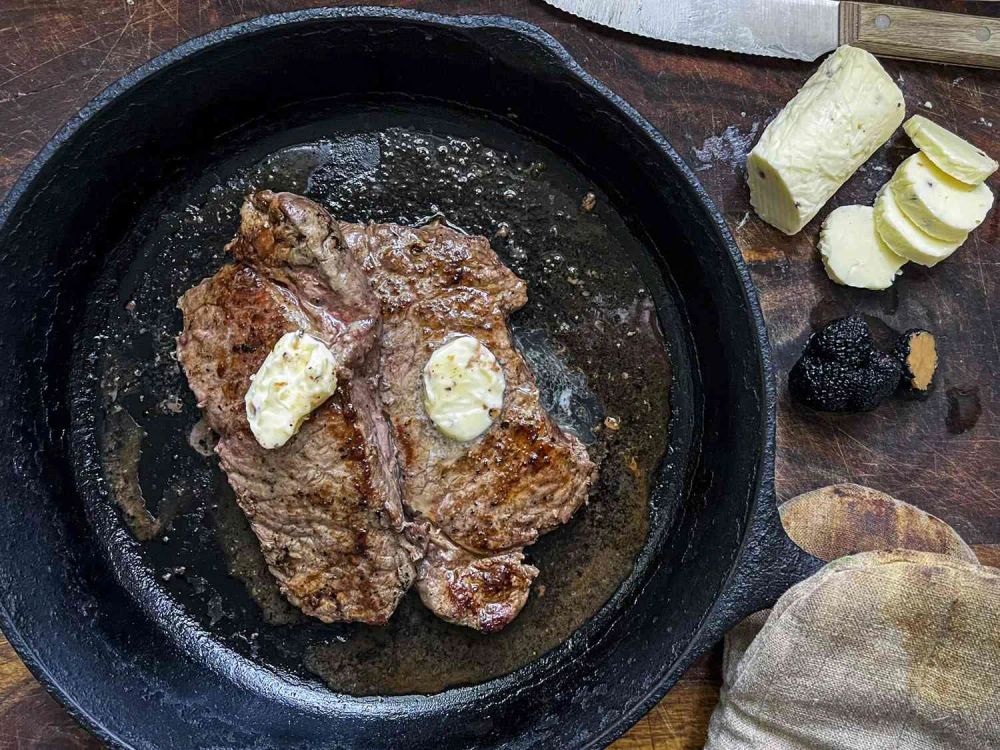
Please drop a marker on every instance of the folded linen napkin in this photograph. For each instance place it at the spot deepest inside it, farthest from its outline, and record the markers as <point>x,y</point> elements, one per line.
<point>895,650</point>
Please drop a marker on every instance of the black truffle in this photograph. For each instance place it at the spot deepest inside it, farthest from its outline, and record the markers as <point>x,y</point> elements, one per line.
<point>917,355</point>
<point>843,370</point>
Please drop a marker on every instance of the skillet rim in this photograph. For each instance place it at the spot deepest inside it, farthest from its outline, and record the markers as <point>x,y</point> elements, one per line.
<point>763,489</point>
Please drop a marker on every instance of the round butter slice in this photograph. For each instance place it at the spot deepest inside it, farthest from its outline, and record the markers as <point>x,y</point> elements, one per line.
<point>463,388</point>
<point>296,377</point>
<point>853,253</point>
<point>904,237</point>
<point>937,203</point>
<point>951,153</point>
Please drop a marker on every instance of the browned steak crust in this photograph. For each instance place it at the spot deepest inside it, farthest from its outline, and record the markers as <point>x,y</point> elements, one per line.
<point>484,593</point>
<point>325,506</point>
<point>524,476</point>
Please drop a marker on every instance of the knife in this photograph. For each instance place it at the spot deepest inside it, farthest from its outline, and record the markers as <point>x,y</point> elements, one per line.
<point>802,29</point>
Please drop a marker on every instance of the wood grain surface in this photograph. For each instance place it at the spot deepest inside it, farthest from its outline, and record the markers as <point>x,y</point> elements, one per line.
<point>919,34</point>
<point>942,455</point>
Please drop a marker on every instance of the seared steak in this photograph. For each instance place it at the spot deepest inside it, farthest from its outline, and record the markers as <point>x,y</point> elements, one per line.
<point>498,493</point>
<point>326,505</point>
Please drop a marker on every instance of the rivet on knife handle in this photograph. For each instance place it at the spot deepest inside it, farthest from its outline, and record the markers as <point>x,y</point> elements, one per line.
<point>916,34</point>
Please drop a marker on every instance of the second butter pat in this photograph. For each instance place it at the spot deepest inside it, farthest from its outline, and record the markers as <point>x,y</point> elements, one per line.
<point>852,251</point>
<point>838,119</point>
<point>904,237</point>
<point>949,152</point>
<point>938,203</point>
<point>463,388</point>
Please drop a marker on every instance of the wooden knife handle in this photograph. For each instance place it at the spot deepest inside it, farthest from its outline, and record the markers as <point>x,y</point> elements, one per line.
<point>916,34</point>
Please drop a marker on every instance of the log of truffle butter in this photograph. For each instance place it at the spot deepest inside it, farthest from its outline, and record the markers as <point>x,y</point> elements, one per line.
<point>844,112</point>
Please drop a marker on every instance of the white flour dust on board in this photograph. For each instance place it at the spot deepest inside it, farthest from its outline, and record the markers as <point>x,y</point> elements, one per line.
<point>731,147</point>
<point>877,170</point>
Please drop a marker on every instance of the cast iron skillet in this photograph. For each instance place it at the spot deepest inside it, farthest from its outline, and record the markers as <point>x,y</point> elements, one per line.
<point>124,657</point>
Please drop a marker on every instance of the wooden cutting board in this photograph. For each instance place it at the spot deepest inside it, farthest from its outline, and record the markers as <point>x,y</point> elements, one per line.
<point>942,455</point>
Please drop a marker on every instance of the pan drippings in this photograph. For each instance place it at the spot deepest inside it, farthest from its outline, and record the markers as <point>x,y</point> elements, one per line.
<point>590,331</point>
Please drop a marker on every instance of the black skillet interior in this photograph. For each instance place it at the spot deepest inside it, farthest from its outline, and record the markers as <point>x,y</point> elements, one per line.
<point>181,640</point>
<point>591,331</point>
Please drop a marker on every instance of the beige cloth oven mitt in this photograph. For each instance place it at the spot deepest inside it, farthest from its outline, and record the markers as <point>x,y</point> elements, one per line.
<point>879,650</point>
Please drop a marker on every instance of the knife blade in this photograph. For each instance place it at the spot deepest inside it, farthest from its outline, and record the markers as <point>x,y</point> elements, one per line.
<point>799,29</point>
<point>804,29</point>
